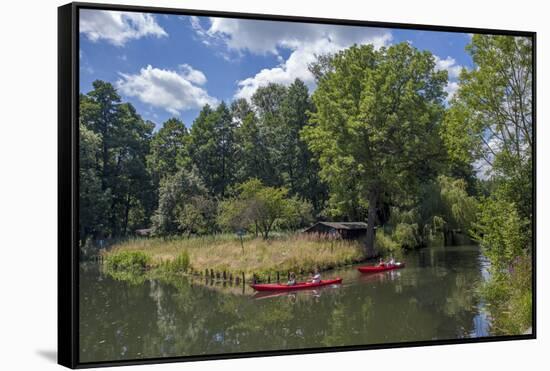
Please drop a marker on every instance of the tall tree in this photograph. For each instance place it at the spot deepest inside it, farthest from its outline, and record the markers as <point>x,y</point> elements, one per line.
<point>99,112</point>
<point>178,192</point>
<point>285,158</point>
<point>94,201</point>
<point>267,102</point>
<point>490,119</point>
<point>124,140</point>
<point>253,149</point>
<point>212,148</point>
<point>299,167</point>
<point>168,149</point>
<point>376,122</point>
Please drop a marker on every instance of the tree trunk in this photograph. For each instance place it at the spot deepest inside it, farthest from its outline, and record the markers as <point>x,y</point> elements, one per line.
<point>126,214</point>
<point>370,250</point>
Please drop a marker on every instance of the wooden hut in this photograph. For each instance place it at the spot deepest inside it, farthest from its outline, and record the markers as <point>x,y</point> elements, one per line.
<point>345,230</point>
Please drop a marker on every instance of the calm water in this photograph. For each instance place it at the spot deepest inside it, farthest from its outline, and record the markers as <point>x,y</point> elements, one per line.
<point>432,298</point>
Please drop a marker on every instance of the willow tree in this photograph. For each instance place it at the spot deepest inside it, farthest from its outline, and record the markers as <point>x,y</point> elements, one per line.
<point>375,128</point>
<point>490,118</point>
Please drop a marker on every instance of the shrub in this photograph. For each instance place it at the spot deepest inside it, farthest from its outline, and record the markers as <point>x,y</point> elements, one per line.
<point>129,261</point>
<point>181,262</point>
<point>384,244</point>
<point>509,294</point>
<point>406,235</point>
<point>500,232</point>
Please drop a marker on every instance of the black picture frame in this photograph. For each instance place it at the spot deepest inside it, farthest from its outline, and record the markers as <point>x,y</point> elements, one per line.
<point>68,182</point>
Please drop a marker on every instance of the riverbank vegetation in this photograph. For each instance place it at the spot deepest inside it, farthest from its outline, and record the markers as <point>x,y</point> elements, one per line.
<point>378,140</point>
<point>224,253</point>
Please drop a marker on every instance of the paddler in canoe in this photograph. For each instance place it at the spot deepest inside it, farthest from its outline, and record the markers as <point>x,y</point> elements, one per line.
<point>291,279</point>
<point>312,282</point>
<point>316,277</point>
<point>390,263</point>
<point>382,266</point>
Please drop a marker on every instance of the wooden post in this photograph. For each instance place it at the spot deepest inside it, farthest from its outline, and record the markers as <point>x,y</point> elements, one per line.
<point>224,276</point>
<point>269,278</point>
<point>278,280</point>
<point>212,273</point>
<point>243,278</point>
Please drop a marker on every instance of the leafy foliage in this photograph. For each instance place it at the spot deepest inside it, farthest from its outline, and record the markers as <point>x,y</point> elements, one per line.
<point>375,129</point>
<point>115,144</point>
<point>262,208</point>
<point>132,261</point>
<point>500,232</point>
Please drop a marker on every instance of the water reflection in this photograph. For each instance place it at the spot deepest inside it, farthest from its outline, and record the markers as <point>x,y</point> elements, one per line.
<point>432,298</point>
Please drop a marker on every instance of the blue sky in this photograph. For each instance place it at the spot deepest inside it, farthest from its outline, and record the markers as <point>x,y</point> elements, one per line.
<point>170,66</point>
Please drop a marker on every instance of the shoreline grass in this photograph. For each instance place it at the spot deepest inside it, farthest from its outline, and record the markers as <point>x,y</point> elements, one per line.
<point>296,252</point>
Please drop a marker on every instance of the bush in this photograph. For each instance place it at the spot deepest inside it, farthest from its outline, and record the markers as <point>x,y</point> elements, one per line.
<point>181,262</point>
<point>384,244</point>
<point>406,235</point>
<point>500,232</point>
<point>129,261</point>
<point>509,294</point>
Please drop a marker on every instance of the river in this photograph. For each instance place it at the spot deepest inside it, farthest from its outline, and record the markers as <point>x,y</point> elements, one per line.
<point>432,298</point>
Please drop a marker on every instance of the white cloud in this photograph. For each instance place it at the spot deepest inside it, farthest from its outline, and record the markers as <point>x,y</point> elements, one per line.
<point>450,65</point>
<point>193,75</point>
<point>118,28</point>
<point>450,89</point>
<point>268,37</point>
<point>171,90</point>
<point>303,40</point>
<point>453,69</point>
<point>295,67</point>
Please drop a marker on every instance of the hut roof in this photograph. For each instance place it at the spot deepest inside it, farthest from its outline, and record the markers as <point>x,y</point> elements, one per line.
<point>341,225</point>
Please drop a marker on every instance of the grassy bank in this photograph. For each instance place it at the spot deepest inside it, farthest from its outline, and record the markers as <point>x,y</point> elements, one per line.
<point>509,298</point>
<point>224,253</point>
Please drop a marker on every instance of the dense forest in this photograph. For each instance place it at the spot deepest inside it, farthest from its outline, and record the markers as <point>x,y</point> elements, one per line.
<point>375,141</point>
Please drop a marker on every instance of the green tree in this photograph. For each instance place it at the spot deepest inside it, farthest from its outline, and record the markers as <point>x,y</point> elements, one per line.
<point>93,201</point>
<point>212,148</point>
<point>267,102</point>
<point>178,197</point>
<point>99,112</point>
<point>128,177</point>
<point>272,149</point>
<point>253,149</point>
<point>490,118</point>
<point>261,207</point>
<point>446,207</point>
<point>500,232</point>
<point>120,163</point>
<point>197,215</point>
<point>490,124</point>
<point>299,168</point>
<point>240,109</point>
<point>376,122</point>
<point>168,149</point>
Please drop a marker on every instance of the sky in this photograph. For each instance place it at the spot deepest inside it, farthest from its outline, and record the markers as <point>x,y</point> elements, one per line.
<point>171,66</point>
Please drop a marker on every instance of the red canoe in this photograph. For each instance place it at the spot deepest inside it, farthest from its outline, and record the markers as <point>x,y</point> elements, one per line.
<point>297,286</point>
<point>380,268</point>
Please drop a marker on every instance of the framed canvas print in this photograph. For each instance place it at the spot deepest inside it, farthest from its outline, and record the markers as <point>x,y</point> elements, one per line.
<point>237,185</point>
